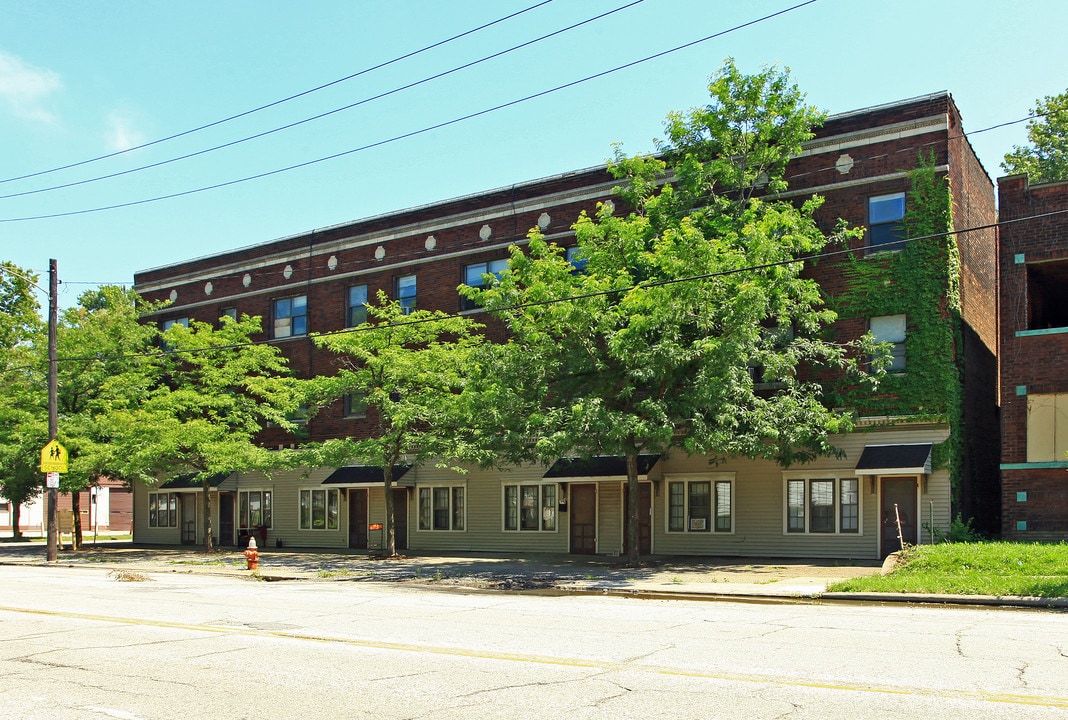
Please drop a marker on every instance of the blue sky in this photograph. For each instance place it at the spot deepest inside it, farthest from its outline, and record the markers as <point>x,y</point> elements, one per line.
<point>83,79</point>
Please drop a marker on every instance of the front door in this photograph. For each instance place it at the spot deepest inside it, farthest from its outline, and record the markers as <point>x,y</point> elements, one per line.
<point>189,518</point>
<point>358,519</point>
<point>898,504</point>
<point>645,519</point>
<point>583,519</point>
<point>400,517</point>
<point>226,518</point>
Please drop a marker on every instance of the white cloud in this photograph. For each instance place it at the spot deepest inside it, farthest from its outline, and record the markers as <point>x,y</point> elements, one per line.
<point>121,131</point>
<point>25,89</point>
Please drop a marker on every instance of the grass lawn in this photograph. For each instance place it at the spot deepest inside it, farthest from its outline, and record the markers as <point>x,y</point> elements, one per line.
<point>984,568</point>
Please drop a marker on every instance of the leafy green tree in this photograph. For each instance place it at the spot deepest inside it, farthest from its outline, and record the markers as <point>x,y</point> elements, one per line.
<point>105,365</point>
<point>684,322</point>
<point>410,370</point>
<point>23,403</point>
<point>215,391</point>
<point>1046,158</point>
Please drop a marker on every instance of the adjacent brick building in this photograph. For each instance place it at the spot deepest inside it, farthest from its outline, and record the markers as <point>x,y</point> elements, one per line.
<point>1034,359</point>
<point>923,449</point>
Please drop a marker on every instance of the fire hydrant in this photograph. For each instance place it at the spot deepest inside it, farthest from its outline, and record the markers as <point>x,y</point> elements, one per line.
<point>252,555</point>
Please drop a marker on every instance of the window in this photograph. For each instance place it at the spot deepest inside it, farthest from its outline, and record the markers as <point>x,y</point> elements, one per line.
<point>1047,295</point>
<point>700,506</point>
<point>530,507</point>
<point>319,509</point>
<point>254,508</point>
<point>886,228</point>
<point>230,312</point>
<point>291,316</point>
<point>574,256</point>
<point>474,276</point>
<point>1047,427</point>
<point>356,314</point>
<point>406,294</point>
<point>891,329</point>
<point>168,324</point>
<point>441,508</point>
<point>823,505</point>
<point>163,510</point>
<point>356,405</point>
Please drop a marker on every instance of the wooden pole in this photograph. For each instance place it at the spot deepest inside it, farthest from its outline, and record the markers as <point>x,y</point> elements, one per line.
<point>53,414</point>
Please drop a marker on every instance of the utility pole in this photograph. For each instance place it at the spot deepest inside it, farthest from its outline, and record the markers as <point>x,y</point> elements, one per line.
<point>53,413</point>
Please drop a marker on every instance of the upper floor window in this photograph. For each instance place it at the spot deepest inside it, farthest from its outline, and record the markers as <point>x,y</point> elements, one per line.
<point>1047,295</point>
<point>355,405</point>
<point>575,257</point>
<point>886,227</point>
<point>291,316</point>
<point>891,329</point>
<point>356,313</point>
<point>168,324</point>
<point>230,312</point>
<point>475,276</point>
<point>1047,427</point>
<point>405,292</point>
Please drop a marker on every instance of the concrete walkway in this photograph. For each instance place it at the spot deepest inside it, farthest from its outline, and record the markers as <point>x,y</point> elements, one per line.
<point>667,577</point>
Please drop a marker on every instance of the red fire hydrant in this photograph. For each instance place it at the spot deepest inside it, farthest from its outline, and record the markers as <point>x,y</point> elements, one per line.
<point>252,555</point>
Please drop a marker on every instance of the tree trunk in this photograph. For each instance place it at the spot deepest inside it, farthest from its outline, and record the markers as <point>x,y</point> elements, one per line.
<point>391,533</point>
<point>633,554</point>
<point>16,518</point>
<point>208,544</point>
<point>76,509</point>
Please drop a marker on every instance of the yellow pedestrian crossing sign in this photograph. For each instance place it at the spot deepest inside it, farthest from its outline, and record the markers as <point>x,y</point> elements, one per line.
<point>53,458</point>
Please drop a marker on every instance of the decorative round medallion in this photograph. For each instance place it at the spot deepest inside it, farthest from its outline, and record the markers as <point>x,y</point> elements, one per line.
<point>380,252</point>
<point>247,280</point>
<point>287,272</point>
<point>431,242</point>
<point>544,220</point>
<point>332,262</point>
<point>174,295</point>
<point>208,288</point>
<point>485,232</point>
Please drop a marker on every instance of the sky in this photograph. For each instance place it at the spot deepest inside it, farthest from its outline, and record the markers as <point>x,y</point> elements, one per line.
<point>81,80</point>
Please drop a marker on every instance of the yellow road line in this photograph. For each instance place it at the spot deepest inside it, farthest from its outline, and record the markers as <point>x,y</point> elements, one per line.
<point>602,665</point>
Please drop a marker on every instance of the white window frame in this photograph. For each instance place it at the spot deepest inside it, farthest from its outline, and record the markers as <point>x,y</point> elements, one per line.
<point>265,491</point>
<point>689,524</point>
<point>310,492</point>
<point>427,524</point>
<point>171,501</point>
<point>168,324</point>
<point>349,405</point>
<point>540,506</point>
<point>839,478</point>
<point>892,329</point>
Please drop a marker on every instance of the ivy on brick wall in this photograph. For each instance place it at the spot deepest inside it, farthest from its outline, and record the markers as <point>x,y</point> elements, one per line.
<point>921,281</point>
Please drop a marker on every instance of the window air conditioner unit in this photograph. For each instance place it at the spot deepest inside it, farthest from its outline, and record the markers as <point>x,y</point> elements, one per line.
<point>697,523</point>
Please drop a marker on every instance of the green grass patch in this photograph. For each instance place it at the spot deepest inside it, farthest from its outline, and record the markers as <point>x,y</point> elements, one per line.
<point>985,568</point>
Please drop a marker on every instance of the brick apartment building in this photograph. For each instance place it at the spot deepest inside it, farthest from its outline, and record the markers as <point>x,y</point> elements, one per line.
<point>1034,359</point>
<point>926,447</point>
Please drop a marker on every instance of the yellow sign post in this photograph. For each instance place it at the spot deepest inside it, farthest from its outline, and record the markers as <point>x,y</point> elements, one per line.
<point>54,458</point>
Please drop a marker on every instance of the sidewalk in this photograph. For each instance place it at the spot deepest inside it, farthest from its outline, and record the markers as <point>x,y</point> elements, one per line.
<point>671,577</point>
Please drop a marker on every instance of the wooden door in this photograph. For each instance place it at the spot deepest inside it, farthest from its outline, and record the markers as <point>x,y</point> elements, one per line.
<point>899,492</point>
<point>358,518</point>
<point>189,518</point>
<point>226,518</point>
<point>645,519</point>
<point>583,519</point>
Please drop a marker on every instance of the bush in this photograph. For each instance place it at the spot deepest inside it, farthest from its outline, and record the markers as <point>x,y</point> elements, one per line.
<point>959,532</point>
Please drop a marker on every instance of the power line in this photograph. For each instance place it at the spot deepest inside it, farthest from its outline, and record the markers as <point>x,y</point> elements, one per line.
<point>328,113</point>
<point>275,103</point>
<point>479,244</point>
<point>413,133</point>
<point>367,327</point>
